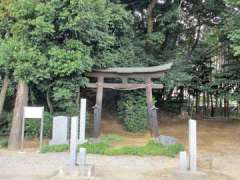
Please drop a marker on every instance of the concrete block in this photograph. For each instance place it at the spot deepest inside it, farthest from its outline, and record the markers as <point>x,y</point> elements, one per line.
<point>183,161</point>
<point>189,175</point>
<point>76,172</point>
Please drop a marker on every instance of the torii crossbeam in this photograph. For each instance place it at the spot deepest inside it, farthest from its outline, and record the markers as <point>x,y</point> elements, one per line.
<point>143,73</point>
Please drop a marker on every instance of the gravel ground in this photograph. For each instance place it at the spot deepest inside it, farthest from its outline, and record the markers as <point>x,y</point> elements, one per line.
<point>217,141</point>
<point>107,167</point>
<point>22,166</point>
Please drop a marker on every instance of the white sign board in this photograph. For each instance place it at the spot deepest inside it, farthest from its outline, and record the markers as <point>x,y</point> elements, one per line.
<point>33,112</point>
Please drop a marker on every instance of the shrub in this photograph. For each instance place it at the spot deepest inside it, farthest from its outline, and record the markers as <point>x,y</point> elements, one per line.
<point>133,112</point>
<point>32,126</point>
<point>5,123</point>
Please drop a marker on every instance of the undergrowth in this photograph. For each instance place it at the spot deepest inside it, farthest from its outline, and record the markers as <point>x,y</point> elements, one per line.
<point>105,147</point>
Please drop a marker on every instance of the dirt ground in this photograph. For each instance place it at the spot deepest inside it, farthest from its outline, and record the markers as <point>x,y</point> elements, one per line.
<point>218,154</point>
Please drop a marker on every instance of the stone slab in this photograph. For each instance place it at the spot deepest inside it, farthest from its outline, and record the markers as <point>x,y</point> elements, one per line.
<point>59,130</point>
<point>189,175</point>
<point>166,140</point>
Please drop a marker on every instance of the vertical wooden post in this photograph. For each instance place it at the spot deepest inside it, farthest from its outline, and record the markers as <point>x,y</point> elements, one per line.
<point>152,112</point>
<point>98,108</point>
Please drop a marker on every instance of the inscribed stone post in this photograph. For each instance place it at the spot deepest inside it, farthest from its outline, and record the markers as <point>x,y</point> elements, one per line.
<point>193,145</point>
<point>74,140</point>
<point>82,121</point>
<point>59,130</point>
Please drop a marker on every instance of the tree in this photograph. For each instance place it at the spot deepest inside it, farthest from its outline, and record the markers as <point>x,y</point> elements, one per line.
<point>56,42</point>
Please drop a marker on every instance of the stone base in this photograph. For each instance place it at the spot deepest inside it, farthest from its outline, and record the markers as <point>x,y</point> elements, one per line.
<point>189,175</point>
<point>80,172</point>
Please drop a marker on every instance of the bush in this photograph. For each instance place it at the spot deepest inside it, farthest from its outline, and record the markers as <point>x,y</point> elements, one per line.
<point>32,126</point>
<point>5,123</point>
<point>133,112</point>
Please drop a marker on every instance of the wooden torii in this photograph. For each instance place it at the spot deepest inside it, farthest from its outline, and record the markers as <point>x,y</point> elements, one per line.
<point>143,73</point>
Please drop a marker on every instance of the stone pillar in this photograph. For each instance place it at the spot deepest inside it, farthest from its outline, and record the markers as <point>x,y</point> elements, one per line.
<point>82,139</point>
<point>74,141</point>
<point>193,145</point>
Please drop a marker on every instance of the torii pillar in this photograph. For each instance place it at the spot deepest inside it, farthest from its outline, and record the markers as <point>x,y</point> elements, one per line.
<point>151,109</point>
<point>98,108</point>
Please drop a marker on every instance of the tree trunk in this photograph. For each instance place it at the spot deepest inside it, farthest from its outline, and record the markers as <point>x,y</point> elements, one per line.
<point>3,93</point>
<point>197,102</point>
<point>14,142</point>
<point>78,99</point>
<point>49,103</point>
<point>216,102</point>
<point>212,108</point>
<point>204,104</point>
<point>181,94</point>
<point>149,16</point>
<point>208,102</point>
<point>225,107</point>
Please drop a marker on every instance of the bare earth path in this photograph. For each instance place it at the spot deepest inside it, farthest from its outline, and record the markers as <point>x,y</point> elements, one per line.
<point>219,142</point>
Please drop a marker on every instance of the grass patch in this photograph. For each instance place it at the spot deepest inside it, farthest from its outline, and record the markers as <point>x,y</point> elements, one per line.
<point>151,148</point>
<point>111,138</point>
<point>104,147</point>
<point>3,142</point>
<point>54,148</point>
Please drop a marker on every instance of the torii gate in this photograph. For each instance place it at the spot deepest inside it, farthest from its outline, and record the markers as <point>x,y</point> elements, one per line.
<point>144,73</point>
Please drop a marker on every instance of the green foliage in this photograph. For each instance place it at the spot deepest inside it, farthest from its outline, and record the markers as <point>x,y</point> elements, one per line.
<point>3,142</point>
<point>32,127</point>
<point>133,112</point>
<point>104,147</point>
<point>5,123</point>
